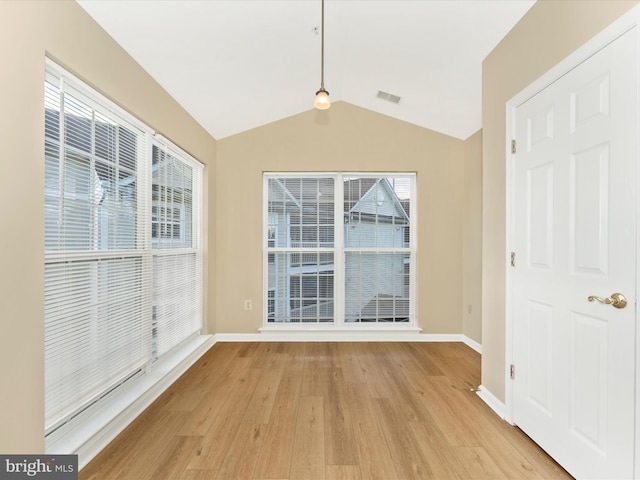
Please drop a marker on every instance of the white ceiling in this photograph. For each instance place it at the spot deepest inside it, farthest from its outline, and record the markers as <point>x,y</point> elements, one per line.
<point>237,65</point>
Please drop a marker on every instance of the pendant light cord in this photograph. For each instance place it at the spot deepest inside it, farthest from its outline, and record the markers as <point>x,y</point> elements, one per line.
<point>322,50</point>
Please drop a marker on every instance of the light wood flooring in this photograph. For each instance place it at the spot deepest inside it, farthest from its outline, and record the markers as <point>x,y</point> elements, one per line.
<point>335,411</point>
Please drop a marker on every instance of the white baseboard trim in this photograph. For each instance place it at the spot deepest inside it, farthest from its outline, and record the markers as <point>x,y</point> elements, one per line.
<point>97,427</point>
<point>490,399</point>
<point>345,335</point>
<point>472,344</point>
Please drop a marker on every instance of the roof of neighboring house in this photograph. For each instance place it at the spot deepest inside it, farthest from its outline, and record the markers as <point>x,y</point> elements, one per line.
<point>366,197</point>
<point>374,198</point>
<point>355,189</point>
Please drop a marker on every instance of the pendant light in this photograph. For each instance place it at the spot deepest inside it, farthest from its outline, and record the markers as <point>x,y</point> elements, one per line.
<point>322,101</point>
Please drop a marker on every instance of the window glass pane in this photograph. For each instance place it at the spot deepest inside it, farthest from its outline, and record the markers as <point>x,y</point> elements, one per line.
<point>91,196</point>
<point>177,258</point>
<point>377,215</point>
<point>311,297</point>
<point>94,330</point>
<point>300,218</point>
<point>172,202</point>
<point>300,288</point>
<point>376,212</point>
<point>377,287</point>
<point>302,210</point>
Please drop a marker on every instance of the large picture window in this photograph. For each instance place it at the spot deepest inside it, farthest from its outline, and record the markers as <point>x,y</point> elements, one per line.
<point>339,248</point>
<point>122,247</point>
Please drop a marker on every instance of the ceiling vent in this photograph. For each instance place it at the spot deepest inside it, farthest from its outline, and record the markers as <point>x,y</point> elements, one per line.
<point>389,97</point>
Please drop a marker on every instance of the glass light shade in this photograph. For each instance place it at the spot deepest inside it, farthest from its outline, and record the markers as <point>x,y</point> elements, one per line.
<point>322,101</point>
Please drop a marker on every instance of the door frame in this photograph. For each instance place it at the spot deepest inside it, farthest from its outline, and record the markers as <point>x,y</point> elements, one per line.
<point>625,23</point>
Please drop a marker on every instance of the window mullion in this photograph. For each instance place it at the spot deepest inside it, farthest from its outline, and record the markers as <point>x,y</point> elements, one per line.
<point>61,156</point>
<point>143,212</point>
<point>338,255</point>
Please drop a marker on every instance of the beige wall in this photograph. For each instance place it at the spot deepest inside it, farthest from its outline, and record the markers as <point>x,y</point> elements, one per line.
<point>344,138</point>
<point>472,239</point>
<point>549,32</point>
<point>28,30</point>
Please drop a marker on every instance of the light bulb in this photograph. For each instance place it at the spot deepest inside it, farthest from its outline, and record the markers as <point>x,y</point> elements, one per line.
<point>322,101</point>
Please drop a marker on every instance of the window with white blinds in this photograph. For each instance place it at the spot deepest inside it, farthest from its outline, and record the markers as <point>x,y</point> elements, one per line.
<point>104,287</point>
<point>339,248</point>
<point>177,253</point>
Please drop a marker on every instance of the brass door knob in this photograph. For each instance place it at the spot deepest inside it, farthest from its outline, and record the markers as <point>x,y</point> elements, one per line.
<point>616,300</point>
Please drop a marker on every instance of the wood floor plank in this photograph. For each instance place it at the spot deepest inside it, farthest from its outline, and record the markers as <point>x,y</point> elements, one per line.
<point>343,472</point>
<point>339,435</point>
<point>437,453</point>
<point>458,362</point>
<point>474,430</point>
<point>263,398</point>
<point>224,428</point>
<point>308,462</point>
<point>449,416</point>
<point>295,354</point>
<point>241,457</point>
<point>417,359</point>
<point>348,362</point>
<point>409,459</point>
<point>404,397</point>
<point>270,356</point>
<point>321,355</point>
<point>535,456</point>
<point>274,459</point>
<point>478,464</point>
<point>377,384</point>
<point>204,414</point>
<point>375,460</point>
<point>197,475</point>
<point>189,390</point>
<point>173,459</point>
<point>136,450</point>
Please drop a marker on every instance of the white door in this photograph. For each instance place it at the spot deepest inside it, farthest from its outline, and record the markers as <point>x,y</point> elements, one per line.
<point>575,237</point>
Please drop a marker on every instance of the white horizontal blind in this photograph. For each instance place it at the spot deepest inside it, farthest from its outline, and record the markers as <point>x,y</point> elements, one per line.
<point>300,218</point>
<point>339,248</point>
<point>378,249</point>
<point>97,316</point>
<point>177,246</point>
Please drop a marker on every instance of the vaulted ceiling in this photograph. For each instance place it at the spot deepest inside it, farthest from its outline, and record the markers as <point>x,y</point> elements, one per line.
<point>236,65</point>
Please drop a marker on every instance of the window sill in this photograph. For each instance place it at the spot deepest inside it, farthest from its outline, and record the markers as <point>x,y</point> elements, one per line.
<point>298,332</point>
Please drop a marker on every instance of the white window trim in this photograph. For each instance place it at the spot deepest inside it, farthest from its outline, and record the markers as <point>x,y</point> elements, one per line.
<point>339,324</point>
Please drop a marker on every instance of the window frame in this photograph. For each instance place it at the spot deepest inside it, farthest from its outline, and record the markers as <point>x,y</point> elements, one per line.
<point>339,251</point>
<point>61,82</point>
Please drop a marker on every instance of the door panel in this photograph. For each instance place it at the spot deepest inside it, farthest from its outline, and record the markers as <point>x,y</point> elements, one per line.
<point>575,226</point>
<point>540,331</point>
<point>540,216</point>
<point>589,393</point>
<point>589,210</point>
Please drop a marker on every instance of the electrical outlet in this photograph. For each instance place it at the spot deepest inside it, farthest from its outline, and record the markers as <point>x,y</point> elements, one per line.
<point>469,309</point>
<point>248,305</point>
